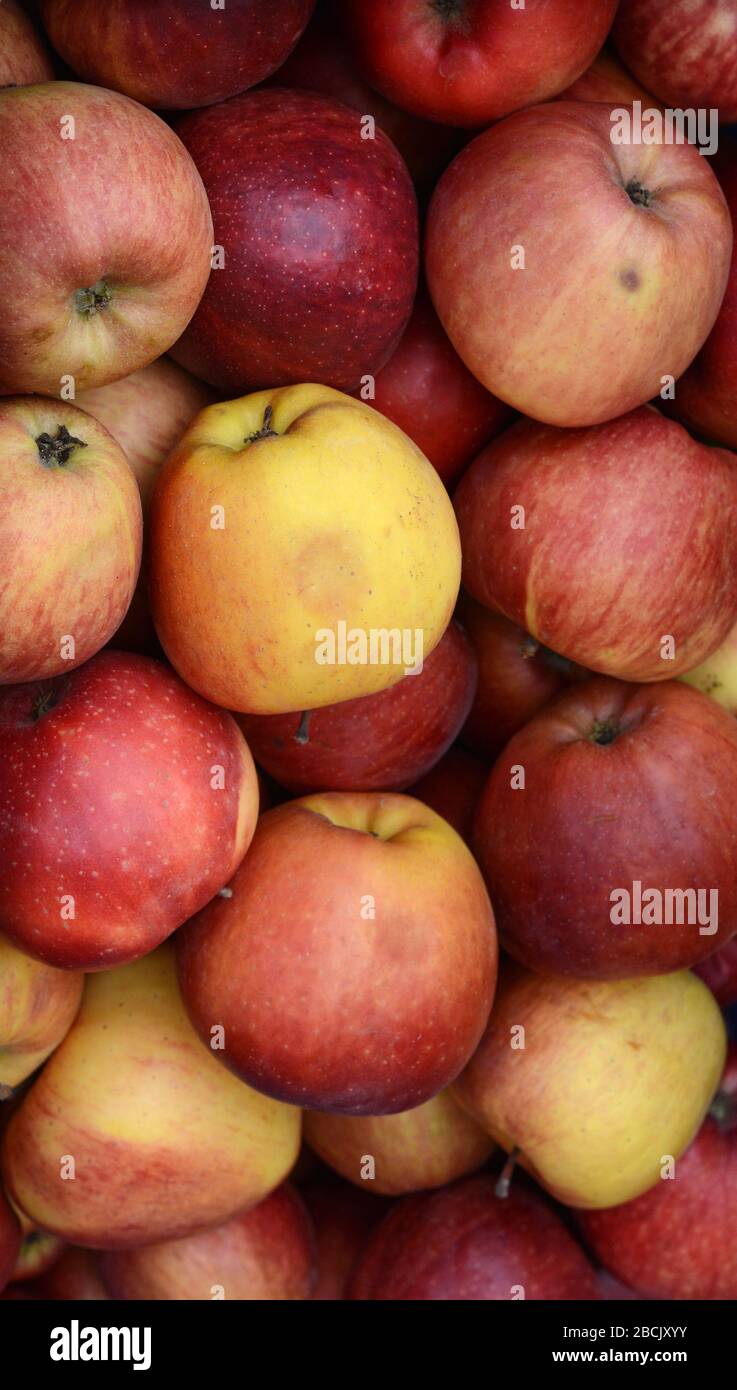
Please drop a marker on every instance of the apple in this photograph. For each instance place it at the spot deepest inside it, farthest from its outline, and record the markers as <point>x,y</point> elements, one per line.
<point>127,802</point>
<point>318,226</point>
<point>38,1252</point>
<point>74,1277</point>
<point>540,546</point>
<point>685,51</point>
<point>574,275</point>
<point>23,58</point>
<point>613,1291</point>
<point>468,62</point>
<point>285,527</point>
<point>604,832</point>
<point>70,536</point>
<point>679,1240</point>
<point>100,270</point>
<point>264,1254</point>
<point>379,742</point>
<point>465,1243</point>
<point>606,80</point>
<point>429,1146</point>
<point>164,1142</point>
<point>592,1083</point>
<point>719,972</point>
<point>10,1240</point>
<point>426,390</point>
<point>189,54</point>
<point>717,675</point>
<point>452,788</point>
<point>353,966</point>
<point>343,1217</point>
<point>38,1005</point>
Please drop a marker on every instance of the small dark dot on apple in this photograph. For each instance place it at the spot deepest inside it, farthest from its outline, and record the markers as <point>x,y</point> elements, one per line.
<point>629,278</point>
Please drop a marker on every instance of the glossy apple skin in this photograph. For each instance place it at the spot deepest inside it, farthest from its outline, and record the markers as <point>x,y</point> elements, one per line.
<point>679,1240</point>
<point>567,575</point>
<point>463,1243</point>
<point>426,390</point>
<point>322,1006</point>
<point>37,1007</point>
<point>10,1240</point>
<point>23,57</point>
<point>719,972</point>
<point>622,783</point>
<point>147,243</point>
<point>474,63</point>
<point>75,1276</point>
<point>343,1218</point>
<point>84,497</point>
<point>178,56</point>
<point>265,1254</point>
<point>320,234</point>
<point>657,281</point>
<point>139,838</point>
<point>717,675</point>
<point>685,51</point>
<point>452,788</point>
<point>376,743</point>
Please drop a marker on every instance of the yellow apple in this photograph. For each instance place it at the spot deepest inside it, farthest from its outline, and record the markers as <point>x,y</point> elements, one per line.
<point>717,676</point>
<point>37,1007</point>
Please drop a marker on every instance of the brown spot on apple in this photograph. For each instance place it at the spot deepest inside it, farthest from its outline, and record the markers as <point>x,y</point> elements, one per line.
<point>629,278</point>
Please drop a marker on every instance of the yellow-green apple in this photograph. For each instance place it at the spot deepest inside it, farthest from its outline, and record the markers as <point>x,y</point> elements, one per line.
<point>595,1084</point>
<point>93,286</point>
<point>10,1239</point>
<point>429,1146</point>
<point>23,58</point>
<point>264,1254</point>
<point>303,552</point>
<point>133,1133</point>
<point>465,1243</point>
<point>37,1007</point>
<point>683,50</point>
<point>605,832</point>
<point>551,521</point>
<point>379,742</point>
<point>679,1239</point>
<point>75,1276</point>
<point>319,235</point>
<point>719,972</point>
<point>175,56</point>
<point>70,536</point>
<point>343,1217</point>
<point>452,788</point>
<point>353,965</point>
<point>717,675</point>
<point>546,215</point>
<point>127,802</point>
<point>468,62</point>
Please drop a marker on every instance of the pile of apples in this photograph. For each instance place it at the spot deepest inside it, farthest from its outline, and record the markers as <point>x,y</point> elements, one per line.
<point>291,742</point>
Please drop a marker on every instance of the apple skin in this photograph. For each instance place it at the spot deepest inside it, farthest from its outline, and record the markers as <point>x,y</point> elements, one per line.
<point>622,783</point>
<point>23,58</point>
<point>320,234</point>
<point>62,475</point>
<point>75,1276</point>
<point>178,56</point>
<point>426,390</point>
<point>684,51</point>
<point>321,1005</point>
<point>39,1251</point>
<point>343,1218</point>
<point>38,1005</point>
<point>265,1254</point>
<point>567,574</point>
<point>381,742</point>
<point>464,1243</point>
<point>334,517</point>
<point>717,675</point>
<point>468,65</point>
<point>148,1116</point>
<point>679,1240</point>
<point>429,1146</point>
<point>452,788</point>
<point>649,245</point>
<point>606,80</point>
<point>10,1240</point>
<point>719,972</point>
<point>611,1076</point>
<point>152,838</point>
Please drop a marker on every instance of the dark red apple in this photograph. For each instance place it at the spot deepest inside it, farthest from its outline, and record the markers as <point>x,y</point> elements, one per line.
<point>377,743</point>
<point>320,243</point>
<point>74,1277</point>
<point>605,832</point>
<point>685,51</point>
<point>343,1218</point>
<point>23,57</point>
<point>452,788</point>
<point>719,972</point>
<point>10,1240</point>
<point>464,1243</point>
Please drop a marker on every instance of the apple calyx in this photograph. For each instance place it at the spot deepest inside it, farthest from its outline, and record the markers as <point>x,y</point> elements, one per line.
<point>603,732</point>
<point>639,194</point>
<point>266,431</point>
<point>91,300</point>
<point>503,1182</point>
<point>56,449</point>
<point>449,10</point>
<point>723,1110</point>
<point>303,729</point>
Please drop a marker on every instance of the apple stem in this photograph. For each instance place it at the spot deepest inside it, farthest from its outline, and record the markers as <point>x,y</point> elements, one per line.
<point>303,731</point>
<point>56,449</point>
<point>266,431</point>
<point>504,1180</point>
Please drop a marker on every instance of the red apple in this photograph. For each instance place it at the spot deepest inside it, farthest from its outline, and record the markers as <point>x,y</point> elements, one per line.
<point>175,56</point>
<point>10,1240</point>
<point>683,50</point>
<point>343,1218</point>
<point>319,232</point>
<point>540,545</point>
<point>719,972</point>
<point>606,80</point>
<point>102,269</point>
<point>264,1254</point>
<point>379,742</point>
<point>128,801</point>
<point>23,58</point>
<point>468,62</point>
<point>452,788</point>
<point>70,536</point>
<point>426,390</point>
<point>75,1277</point>
<point>464,1243</point>
<point>679,1240</point>
<point>353,967</point>
<point>612,854</point>
<point>590,270</point>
